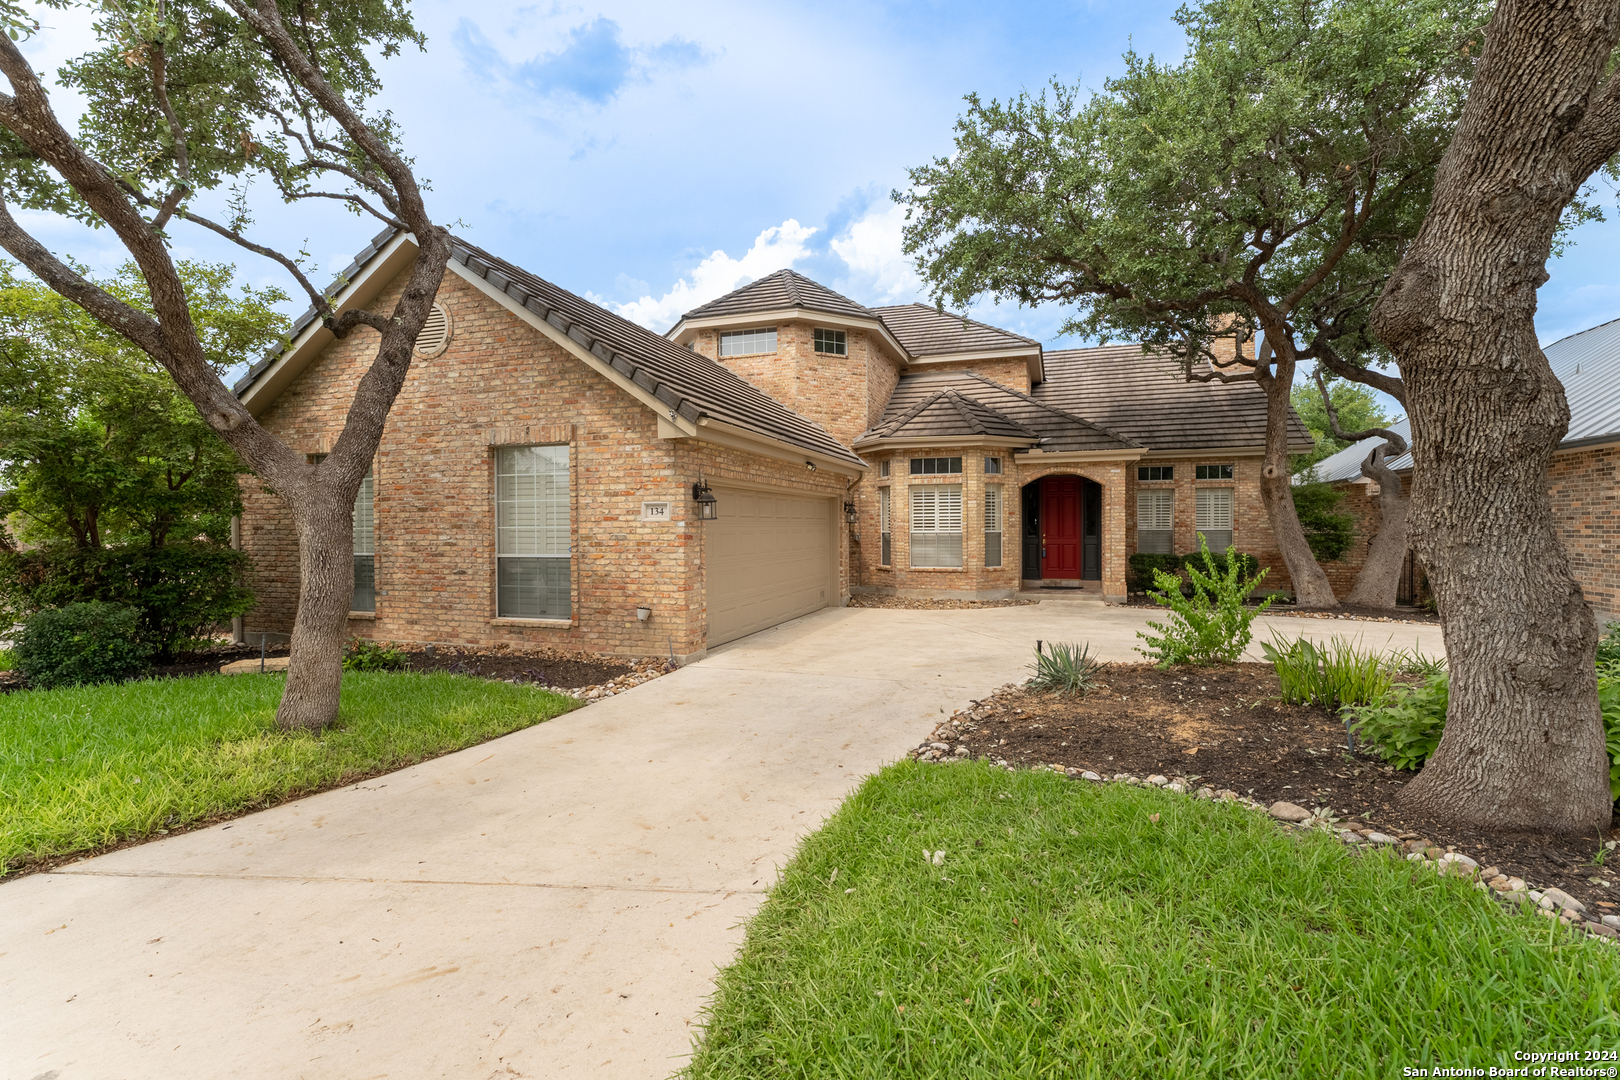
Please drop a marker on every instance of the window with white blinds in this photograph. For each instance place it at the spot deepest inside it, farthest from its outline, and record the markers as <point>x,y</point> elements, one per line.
<point>936,525</point>
<point>1155,522</point>
<point>992,524</point>
<point>365,547</point>
<point>885,555</point>
<point>1215,517</point>
<point>532,534</point>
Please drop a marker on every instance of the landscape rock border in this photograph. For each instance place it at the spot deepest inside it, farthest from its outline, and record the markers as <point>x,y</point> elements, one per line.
<point>1514,893</point>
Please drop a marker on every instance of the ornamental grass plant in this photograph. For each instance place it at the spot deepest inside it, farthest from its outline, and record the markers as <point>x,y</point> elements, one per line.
<point>1332,674</point>
<point>1064,668</point>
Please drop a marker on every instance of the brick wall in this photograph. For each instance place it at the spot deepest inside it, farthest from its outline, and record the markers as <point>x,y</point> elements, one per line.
<point>1585,488</point>
<point>899,577</point>
<point>844,394</point>
<point>435,491</point>
<point>1013,374</point>
<point>1251,527</point>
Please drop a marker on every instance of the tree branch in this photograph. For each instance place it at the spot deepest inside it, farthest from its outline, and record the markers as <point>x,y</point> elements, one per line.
<point>182,161</point>
<point>1329,358</point>
<point>1597,136</point>
<point>1395,442</point>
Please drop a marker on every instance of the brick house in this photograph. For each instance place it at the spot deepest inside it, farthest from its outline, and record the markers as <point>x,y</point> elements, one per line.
<point>552,474</point>
<point>1583,481</point>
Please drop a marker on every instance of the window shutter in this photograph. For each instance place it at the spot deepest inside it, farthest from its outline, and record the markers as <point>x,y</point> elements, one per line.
<point>1214,508</point>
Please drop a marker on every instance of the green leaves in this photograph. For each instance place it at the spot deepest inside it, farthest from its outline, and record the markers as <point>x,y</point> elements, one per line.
<point>1213,625</point>
<point>1275,172</point>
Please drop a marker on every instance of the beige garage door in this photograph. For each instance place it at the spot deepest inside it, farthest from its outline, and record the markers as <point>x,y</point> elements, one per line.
<point>769,560</point>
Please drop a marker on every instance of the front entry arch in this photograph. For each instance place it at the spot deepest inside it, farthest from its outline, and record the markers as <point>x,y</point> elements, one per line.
<point>1062,529</point>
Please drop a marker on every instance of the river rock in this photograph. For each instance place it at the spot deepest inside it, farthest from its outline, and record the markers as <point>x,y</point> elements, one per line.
<point>1287,811</point>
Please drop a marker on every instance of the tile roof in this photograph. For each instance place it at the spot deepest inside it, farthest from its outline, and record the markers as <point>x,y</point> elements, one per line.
<point>925,330</point>
<point>1058,430</point>
<point>692,385</point>
<point>1144,398</point>
<point>783,289</point>
<point>948,413</point>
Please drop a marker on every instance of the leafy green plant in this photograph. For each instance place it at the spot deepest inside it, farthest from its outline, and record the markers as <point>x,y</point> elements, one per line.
<point>1608,648</point>
<point>6,659</point>
<point>81,644</point>
<point>1328,531</point>
<point>1213,624</point>
<point>1413,662</point>
<point>1406,726</point>
<point>1609,706</point>
<point>364,655</point>
<point>1065,668</point>
<point>1330,675</point>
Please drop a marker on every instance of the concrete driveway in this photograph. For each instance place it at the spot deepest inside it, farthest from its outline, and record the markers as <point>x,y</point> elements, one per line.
<point>550,904</point>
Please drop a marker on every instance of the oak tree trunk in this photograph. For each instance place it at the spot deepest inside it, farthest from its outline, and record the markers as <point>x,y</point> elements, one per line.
<point>1379,581</point>
<point>1311,588</point>
<point>325,526</point>
<point>1523,743</point>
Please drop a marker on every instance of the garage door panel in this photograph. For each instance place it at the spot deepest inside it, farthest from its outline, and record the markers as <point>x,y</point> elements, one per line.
<point>769,560</point>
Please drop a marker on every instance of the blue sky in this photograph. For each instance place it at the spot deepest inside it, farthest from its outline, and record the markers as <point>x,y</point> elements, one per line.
<point>652,156</point>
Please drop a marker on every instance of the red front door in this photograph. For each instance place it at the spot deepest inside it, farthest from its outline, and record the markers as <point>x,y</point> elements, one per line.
<point>1060,527</point>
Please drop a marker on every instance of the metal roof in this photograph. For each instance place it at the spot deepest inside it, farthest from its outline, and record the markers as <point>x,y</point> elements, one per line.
<point>1587,363</point>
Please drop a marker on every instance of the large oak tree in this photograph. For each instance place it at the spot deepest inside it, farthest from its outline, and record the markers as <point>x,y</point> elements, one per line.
<point>1523,743</point>
<point>1263,187</point>
<point>188,103</point>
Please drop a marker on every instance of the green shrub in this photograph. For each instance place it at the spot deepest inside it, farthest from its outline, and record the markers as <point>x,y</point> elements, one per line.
<point>1608,648</point>
<point>1143,566</point>
<point>363,655</point>
<point>1328,532</point>
<point>6,660</point>
<point>1406,726</point>
<point>181,590</point>
<point>81,644</point>
<point>1330,675</point>
<point>1065,669</point>
<point>1609,705</point>
<point>1213,624</point>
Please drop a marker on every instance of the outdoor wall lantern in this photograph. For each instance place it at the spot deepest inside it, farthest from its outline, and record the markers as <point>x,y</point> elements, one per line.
<point>643,612</point>
<point>708,507</point>
<point>849,512</point>
<point>810,465</point>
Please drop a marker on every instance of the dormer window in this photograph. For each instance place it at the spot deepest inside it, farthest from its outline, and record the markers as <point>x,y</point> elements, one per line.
<point>748,342</point>
<point>831,342</point>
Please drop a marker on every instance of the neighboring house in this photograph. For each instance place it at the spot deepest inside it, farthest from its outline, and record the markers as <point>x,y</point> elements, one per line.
<point>545,470</point>
<point>1583,481</point>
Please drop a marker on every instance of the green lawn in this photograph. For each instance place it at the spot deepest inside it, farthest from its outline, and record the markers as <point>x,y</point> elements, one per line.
<point>91,766</point>
<point>1066,934</point>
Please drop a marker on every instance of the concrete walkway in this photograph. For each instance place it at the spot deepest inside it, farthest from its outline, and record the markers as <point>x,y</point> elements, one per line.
<point>550,904</point>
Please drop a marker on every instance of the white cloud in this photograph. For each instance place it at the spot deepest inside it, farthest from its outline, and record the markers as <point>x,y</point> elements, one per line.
<point>774,249</point>
<point>879,270</point>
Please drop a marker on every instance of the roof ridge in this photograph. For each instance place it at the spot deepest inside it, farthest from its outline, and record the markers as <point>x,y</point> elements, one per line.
<point>910,414</point>
<point>1110,432</point>
<point>958,402</point>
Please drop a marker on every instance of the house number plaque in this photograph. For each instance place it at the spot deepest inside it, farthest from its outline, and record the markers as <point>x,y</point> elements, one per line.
<point>656,511</point>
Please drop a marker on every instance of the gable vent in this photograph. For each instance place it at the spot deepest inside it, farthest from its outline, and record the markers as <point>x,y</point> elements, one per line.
<point>435,335</point>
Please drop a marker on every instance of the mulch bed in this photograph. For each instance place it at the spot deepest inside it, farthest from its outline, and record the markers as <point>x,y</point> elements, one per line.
<point>1228,728</point>
<point>866,600</point>
<point>564,669</point>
